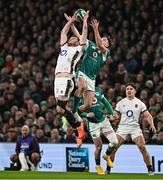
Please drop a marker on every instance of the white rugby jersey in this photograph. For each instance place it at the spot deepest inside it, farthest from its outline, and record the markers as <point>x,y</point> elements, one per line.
<point>68,58</point>
<point>130,111</point>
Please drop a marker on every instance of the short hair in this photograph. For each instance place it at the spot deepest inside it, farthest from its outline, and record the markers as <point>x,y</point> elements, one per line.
<point>110,40</point>
<point>131,84</point>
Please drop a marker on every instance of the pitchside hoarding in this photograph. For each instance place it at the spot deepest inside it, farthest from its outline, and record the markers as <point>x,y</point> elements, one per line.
<point>55,158</point>
<point>77,159</point>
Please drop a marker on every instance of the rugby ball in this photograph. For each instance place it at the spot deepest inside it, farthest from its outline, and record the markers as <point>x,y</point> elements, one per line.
<point>80,14</point>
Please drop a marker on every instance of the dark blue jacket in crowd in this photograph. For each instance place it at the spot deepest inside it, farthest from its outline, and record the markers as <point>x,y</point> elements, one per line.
<point>27,145</point>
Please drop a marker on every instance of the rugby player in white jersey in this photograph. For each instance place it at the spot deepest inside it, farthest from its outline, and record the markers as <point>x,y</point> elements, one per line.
<point>71,51</point>
<point>130,109</point>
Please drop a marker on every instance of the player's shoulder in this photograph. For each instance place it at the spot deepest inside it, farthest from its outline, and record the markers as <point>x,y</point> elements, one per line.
<point>64,46</point>
<point>124,100</point>
<point>91,43</point>
<point>137,100</point>
<point>98,90</point>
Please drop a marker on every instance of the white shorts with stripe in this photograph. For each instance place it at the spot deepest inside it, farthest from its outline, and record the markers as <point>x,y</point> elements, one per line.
<point>124,131</point>
<point>63,86</point>
<point>96,129</point>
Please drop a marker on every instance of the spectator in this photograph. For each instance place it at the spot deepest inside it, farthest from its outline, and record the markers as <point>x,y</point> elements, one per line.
<point>55,137</point>
<point>28,154</point>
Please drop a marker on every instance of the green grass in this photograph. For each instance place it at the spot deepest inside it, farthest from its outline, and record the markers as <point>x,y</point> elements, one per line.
<point>73,175</point>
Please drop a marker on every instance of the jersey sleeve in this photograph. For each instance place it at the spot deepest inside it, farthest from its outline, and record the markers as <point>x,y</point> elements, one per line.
<point>87,43</point>
<point>118,108</point>
<point>106,54</point>
<point>107,105</point>
<point>143,107</point>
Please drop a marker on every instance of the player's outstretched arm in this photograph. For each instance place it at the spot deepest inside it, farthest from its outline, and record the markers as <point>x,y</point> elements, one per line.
<point>107,105</point>
<point>95,25</point>
<point>65,30</point>
<point>149,118</point>
<point>73,28</point>
<point>83,38</point>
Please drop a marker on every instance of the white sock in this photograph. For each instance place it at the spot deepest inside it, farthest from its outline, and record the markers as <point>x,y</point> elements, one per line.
<point>29,162</point>
<point>23,161</point>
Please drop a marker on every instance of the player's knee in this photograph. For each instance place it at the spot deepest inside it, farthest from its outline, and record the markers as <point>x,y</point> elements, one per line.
<point>61,106</point>
<point>14,158</point>
<point>114,143</point>
<point>35,157</point>
<point>81,82</point>
<point>60,110</point>
<point>142,148</point>
<point>99,148</point>
<point>88,105</point>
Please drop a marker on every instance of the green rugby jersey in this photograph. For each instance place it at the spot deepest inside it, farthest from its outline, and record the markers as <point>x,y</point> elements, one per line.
<point>92,60</point>
<point>97,107</point>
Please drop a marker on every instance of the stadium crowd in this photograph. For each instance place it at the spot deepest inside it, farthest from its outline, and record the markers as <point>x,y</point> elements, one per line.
<point>29,46</point>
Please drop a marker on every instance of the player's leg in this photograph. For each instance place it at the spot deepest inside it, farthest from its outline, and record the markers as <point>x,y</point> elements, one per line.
<point>98,144</point>
<point>63,88</point>
<point>139,141</point>
<point>78,93</point>
<point>94,130</point>
<point>87,87</point>
<point>112,138</point>
<point>121,140</point>
<point>88,99</point>
<point>109,133</point>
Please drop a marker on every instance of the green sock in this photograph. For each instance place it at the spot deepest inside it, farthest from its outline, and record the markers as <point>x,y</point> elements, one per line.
<point>76,104</point>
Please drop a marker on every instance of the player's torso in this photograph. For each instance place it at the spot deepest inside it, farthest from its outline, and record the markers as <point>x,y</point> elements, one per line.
<point>130,112</point>
<point>68,58</point>
<point>97,108</point>
<point>92,61</point>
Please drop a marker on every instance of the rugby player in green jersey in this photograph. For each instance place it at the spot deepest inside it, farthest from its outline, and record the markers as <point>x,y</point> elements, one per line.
<point>99,123</point>
<point>94,57</point>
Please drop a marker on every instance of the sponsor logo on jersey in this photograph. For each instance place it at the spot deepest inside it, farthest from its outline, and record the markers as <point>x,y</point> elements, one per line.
<point>94,101</point>
<point>129,113</point>
<point>63,53</point>
<point>94,54</point>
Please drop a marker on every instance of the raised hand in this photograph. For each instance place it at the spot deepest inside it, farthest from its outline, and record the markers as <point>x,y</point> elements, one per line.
<point>86,16</point>
<point>95,24</point>
<point>67,17</point>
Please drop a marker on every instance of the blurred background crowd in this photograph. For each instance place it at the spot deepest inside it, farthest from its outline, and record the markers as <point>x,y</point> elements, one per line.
<point>29,46</point>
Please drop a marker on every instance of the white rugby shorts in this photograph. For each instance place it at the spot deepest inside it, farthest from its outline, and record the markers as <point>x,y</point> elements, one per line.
<point>63,86</point>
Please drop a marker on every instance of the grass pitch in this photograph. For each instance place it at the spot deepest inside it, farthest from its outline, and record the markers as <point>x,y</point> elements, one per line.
<point>73,175</point>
